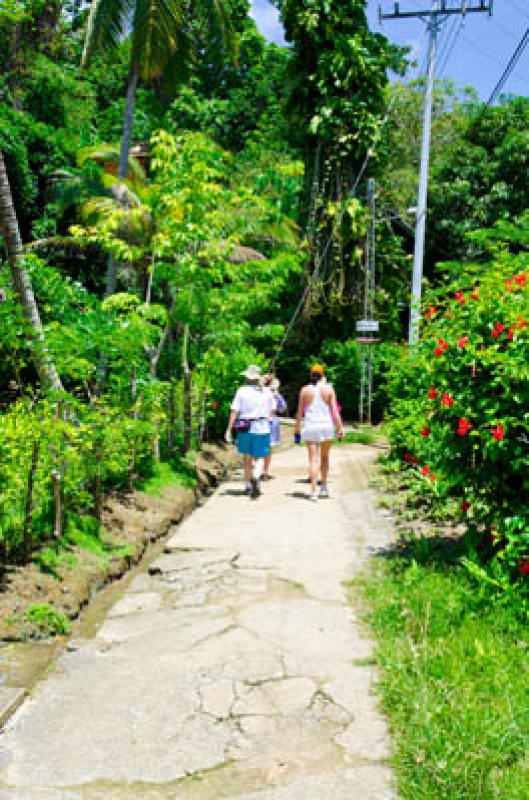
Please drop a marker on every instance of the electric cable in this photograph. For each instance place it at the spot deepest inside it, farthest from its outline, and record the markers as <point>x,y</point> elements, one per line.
<point>513,61</point>
<point>338,221</point>
<point>446,40</point>
<point>450,48</point>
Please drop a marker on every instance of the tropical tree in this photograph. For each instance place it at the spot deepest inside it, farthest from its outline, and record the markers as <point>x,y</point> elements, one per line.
<point>47,372</point>
<point>160,42</point>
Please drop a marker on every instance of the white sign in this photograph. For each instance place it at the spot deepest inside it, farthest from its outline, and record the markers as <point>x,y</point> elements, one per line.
<point>367,326</point>
<point>3,296</point>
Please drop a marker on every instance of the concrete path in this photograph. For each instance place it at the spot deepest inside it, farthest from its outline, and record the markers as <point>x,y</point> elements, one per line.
<point>233,668</point>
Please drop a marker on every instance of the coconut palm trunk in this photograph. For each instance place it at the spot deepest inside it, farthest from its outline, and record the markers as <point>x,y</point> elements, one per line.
<point>123,166</point>
<point>48,375</point>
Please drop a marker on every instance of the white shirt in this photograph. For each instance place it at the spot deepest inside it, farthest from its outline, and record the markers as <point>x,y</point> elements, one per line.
<point>256,403</point>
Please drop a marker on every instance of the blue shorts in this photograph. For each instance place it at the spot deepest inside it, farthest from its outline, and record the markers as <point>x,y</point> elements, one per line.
<point>256,445</point>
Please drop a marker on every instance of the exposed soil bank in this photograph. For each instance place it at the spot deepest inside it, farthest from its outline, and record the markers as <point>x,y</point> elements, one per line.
<point>133,520</point>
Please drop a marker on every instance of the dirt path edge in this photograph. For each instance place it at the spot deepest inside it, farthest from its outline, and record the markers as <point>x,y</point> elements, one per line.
<point>133,519</point>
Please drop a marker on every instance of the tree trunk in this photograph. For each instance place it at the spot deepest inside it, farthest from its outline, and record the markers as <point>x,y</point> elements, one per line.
<point>46,370</point>
<point>128,120</point>
<point>28,518</point>
<point>188,419</point>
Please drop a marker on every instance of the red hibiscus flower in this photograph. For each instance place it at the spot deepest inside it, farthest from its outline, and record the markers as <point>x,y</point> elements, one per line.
<point>442,347</point>
<point>465,505</point>
<point>520,279</point>
<point>510,334</point>
<point>433,477</point>
<point>523,565</point>
<point>462,342</point>
<point>425,470</point>
<point>425,431</point>
<point>432,311</point>
<point>498,432</point>
<point>447,399</point>
<point>509,285</point>
<point>214,405</point>
<point>520,324</point>
<point>460,298</point>
<point>497,330</point>
<point>410,458</point>
<point>463,427</point>
<point>432,393</point>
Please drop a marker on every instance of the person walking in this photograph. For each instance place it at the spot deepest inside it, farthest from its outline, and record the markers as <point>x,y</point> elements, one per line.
<point>251,413</point>
<point>317,417</point>
<point>273,384</point>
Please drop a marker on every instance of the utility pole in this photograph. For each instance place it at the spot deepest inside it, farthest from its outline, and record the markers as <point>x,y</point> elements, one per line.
<point>433,17</point>
<point>368,325</point>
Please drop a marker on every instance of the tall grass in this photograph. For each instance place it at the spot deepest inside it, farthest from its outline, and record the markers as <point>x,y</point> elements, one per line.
<point>455,679</point>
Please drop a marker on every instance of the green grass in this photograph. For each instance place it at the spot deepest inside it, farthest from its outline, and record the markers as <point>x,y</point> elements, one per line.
<point>364,435</point>
<point>47,619</point>
<point>454,678</point>
<point>165,475</point>
<point>83,532</point>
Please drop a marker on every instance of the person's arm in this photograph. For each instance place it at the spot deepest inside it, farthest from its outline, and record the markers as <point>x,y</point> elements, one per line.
<point>234,413</point>
<point>281,404</point>
<point>335,411</point>
<point>299,414</point>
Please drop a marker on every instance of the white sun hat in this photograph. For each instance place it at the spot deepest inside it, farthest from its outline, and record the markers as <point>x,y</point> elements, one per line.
<point>253,372</point>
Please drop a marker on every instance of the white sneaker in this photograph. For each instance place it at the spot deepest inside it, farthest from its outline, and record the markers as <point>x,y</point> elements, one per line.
<point>314,497</point>
<point>324,492</point>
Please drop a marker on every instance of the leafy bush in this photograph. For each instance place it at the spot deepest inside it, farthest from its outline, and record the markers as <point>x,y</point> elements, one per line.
<point>460,400</point>
<point>47,619</point>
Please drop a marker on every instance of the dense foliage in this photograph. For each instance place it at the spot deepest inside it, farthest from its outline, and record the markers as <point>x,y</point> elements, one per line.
<point>459,400</point>
<point>179,191</point>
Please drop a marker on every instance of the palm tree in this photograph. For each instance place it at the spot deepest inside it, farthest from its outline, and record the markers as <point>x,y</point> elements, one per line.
<point>46,370</point>
<point>160,41</point>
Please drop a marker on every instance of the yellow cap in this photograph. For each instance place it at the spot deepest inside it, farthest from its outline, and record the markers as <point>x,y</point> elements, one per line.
<point>317,368</point>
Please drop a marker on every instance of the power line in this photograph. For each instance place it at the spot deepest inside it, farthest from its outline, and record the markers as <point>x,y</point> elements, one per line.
<point>445,39</point>
<point>338,221</point>
<point>445,58</point>
<point>513,61</point>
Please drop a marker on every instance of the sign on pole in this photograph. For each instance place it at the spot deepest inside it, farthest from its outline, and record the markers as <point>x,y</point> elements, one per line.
<point>367,326</point>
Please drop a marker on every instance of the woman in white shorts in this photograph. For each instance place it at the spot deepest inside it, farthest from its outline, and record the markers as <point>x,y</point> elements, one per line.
<point>318,415</point>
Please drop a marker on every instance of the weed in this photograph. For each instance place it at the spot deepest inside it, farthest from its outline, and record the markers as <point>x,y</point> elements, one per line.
<point>47,619</point>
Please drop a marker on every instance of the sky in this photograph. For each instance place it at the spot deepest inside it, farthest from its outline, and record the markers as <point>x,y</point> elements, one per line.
<point>481,49</point>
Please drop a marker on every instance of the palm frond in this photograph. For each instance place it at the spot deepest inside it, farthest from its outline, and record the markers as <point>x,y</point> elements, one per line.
<point>222,39</point>
<point>106,25</point>
<point>109,154</point>
<point>180,65</point>
<point>154,29</point>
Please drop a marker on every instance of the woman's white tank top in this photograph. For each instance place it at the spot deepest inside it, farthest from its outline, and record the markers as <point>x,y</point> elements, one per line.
<point>318,412</point>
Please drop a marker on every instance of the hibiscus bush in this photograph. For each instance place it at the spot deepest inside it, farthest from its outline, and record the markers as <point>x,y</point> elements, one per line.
<point>460,400</point>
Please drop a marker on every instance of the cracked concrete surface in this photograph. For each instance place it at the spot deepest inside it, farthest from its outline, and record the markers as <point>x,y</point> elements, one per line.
<point>231,668</point>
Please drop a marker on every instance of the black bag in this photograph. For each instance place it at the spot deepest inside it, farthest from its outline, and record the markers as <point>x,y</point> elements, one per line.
<point>242,425</point>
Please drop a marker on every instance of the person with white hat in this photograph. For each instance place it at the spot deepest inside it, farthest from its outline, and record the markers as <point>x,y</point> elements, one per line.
<point>251,411</point>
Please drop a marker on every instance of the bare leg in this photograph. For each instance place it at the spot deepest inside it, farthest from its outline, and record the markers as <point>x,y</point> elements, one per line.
<point>267,463</point>
<point>325,450</point>
<point>247,468</point>
<point>314,463</point>
<point>257,468</point>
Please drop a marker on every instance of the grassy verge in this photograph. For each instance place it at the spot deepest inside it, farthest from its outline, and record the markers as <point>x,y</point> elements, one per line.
<point>455,676</point>
<point>165,475</point>
<point>363,435</point>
